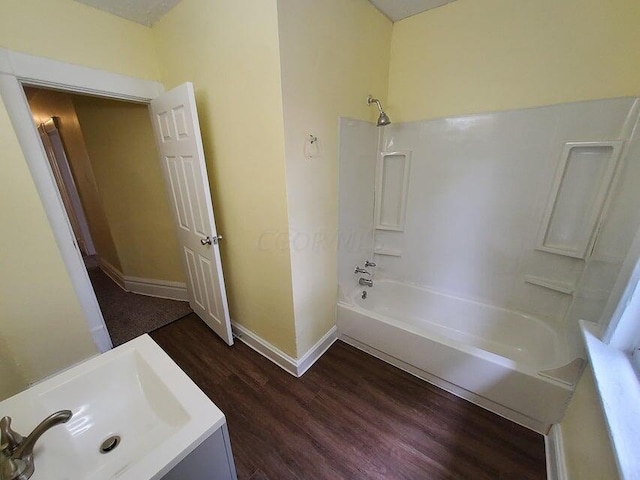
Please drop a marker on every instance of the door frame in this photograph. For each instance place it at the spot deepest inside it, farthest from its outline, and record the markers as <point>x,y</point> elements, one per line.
<point>68,189</point>
<point>18,69</point>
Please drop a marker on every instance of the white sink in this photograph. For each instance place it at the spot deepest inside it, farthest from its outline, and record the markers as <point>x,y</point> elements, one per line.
<point>134,391</point>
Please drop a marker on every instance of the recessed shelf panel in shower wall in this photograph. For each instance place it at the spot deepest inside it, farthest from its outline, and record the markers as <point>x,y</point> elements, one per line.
<point>579,192</point>
<point>392,188</point>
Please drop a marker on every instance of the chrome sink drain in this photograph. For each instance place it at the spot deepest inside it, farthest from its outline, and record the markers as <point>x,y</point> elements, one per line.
<point>110,444</point>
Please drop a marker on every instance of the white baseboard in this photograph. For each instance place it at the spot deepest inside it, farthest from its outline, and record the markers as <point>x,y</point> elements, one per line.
<point>157,288</point>
<point>296,367</point>
<point>264,348</point>
<point>146,286</point>
<point>112,272</point>
<point>315,352</point>
<point>554,451</point>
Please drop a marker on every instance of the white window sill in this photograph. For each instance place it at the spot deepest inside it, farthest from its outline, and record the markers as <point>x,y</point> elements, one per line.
<point>619,388</point>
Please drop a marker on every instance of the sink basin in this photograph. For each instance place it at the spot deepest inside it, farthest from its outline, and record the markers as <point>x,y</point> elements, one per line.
<point>135,392</point>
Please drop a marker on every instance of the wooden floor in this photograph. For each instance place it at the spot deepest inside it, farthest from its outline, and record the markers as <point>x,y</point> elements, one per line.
<point>350,416</point>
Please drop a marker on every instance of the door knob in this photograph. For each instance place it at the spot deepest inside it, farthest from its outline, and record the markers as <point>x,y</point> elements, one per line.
<point>209,241</point>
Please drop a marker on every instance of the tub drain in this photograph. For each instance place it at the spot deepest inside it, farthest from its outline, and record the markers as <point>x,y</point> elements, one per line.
<point>110,444</point>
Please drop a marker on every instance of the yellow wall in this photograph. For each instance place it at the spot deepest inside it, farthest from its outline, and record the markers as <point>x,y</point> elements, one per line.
<point>11,380</point>
<point>41,323</point>
<point>473,56</point>
<point>333,53</point>
<point>40,317</point>
<point>229,50</point>
<point>585,437</point>
<point>125,163</point>
<point>45,104</point>
<point>72,32</point>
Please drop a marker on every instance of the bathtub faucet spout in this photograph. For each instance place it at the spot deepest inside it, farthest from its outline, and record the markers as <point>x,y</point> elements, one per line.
<point>365,282</point>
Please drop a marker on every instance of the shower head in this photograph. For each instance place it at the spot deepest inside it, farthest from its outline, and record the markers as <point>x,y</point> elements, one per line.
<point>383,119</point>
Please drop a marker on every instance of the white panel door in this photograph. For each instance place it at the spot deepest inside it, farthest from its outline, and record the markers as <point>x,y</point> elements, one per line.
<point>177,131</point>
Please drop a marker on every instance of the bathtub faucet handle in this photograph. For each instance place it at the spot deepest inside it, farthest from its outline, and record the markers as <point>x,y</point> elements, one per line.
<point>359,270</point>
<point>367,263</point>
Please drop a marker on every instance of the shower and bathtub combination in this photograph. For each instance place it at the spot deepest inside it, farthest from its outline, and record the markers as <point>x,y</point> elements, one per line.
<point>486,238</point>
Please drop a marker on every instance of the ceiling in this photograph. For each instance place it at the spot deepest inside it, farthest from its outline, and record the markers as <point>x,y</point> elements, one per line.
<point>399,9</point>
<point>145,12</point>
<point>148,12</point>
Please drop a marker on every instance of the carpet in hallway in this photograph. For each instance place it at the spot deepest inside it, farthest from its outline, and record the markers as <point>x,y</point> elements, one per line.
<point>129,315</point>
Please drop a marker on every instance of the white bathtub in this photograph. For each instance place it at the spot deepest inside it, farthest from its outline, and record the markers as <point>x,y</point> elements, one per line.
<point>496,358</point>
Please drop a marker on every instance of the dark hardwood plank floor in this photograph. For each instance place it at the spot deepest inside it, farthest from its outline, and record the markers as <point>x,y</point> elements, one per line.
<point>351,416</point>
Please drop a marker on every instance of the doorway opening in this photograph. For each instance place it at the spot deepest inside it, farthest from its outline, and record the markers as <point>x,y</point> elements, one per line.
<point>103,158</point>
<point>180,153</point>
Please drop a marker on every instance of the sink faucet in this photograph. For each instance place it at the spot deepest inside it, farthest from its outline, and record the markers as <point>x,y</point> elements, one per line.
<point>10,440</point>
<point>16,452</point>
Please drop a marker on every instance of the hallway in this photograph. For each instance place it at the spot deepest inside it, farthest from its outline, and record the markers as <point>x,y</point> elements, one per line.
<point>129,315</point>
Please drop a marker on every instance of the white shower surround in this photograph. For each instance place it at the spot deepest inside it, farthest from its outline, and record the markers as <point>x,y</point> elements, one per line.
<point>476,198</point>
